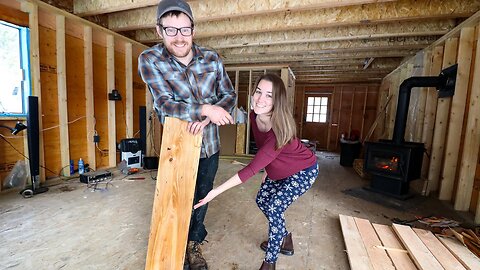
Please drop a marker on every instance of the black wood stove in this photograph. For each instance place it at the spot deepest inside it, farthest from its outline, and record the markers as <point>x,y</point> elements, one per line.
<point>394,163</point>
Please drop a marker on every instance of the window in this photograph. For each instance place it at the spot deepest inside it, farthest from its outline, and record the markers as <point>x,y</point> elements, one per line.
<point>14,69</point>
<point>317,109</point>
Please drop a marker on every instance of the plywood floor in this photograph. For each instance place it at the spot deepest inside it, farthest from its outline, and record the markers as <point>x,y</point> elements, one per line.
<point>70,227</point>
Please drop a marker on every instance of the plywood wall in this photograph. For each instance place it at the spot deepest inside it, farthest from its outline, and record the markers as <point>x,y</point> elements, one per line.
<point>448,127</point>
<point>352,109</point>
<point>76,93</point>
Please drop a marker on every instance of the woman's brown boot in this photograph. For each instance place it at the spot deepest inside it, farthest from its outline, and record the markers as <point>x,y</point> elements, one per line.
<point>286,248</point>
<point>267,266</point>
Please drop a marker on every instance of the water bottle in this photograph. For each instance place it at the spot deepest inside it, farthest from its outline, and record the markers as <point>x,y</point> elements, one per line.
<point>72,167</point>
<point>81,168</point>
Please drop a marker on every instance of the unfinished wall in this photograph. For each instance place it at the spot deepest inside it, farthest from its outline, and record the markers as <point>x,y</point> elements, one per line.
<point>351,108</point>
<point>74,81</point>
<point>448,126</point>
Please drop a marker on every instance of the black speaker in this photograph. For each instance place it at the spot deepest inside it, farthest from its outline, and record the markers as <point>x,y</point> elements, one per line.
<point>33,135</point>
<point>143,129</point>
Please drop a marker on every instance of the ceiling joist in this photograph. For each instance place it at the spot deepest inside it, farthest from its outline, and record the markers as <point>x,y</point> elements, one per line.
<point>402,10</point>
<point>383,30</point>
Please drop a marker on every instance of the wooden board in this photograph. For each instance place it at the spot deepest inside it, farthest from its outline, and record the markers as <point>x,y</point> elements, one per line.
<point>465,256</point>
<point>401,260</point>
<point>422,257</point>
<point>172,206</point>
<point>441,253</point>
<point>357,253</point>
<point>378,256</point>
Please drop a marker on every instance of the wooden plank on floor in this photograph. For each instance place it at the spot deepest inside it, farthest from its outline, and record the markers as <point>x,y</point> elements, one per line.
<point>173,201</point>
<point>441,253</point>
<point>357,254</point>
<point>394,248</point>
<point>378,256</point>
<point>465,256</point>
<point>420,254</point>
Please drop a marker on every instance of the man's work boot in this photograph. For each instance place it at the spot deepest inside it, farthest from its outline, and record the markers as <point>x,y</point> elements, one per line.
<point>195,257</point>
<point>267,266</point>
<point>286,248</point>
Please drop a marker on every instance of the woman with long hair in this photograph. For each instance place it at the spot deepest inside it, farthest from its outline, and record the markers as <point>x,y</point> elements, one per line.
<point>290,167</point>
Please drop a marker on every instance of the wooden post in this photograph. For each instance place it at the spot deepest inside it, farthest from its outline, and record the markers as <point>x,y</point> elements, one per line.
<point>471,143</point>
<point>393,92</point>
<point>457,113</point>
<point>363,114</point>
<point>431,109</point>
<point>89,98</point>
<point>32,9</point>
<point>128,90</point>
<point>112,145</point>
<point>441,122</point>
<point>173,201</point>
<point>247,141</point>
<point>149,111</point>
<point>62,93</point>
<point>422,98</point>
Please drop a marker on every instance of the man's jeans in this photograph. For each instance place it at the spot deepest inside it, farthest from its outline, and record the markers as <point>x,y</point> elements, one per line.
<point>207,168</point>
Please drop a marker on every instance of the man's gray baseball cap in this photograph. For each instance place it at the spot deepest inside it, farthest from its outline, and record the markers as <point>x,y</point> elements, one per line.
<point>173,5</point>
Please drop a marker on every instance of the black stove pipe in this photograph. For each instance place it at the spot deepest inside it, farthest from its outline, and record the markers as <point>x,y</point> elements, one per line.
<point>445,84</point>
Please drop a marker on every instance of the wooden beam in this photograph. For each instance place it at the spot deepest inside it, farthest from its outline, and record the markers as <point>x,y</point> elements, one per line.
<point>471,143</point>
<point>441,122</point>
<point>331,47</point>
<point>112,143</point>
<point>32,10</point>
<point>310,18</point>
<point>457,113</point>
<point>128,90</point>
<point>62,94</point>
<point>322,57</point>
<point>89,97</point>
<point>422,98</point>
<point>347,63</point>
<point>397,31</point>
<point>202,9</point>
<point>14,16</point>
<point>431,109</point>
<point>172,205</point>
<point>75,20</point>
<point>368,62</point>
<point>150,118</point>
<point>94,7</point>
<point>249,105</point>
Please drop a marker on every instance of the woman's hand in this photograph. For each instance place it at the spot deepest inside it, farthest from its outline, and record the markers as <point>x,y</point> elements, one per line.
<point>264,176</point>
<point>212,194</point>
<point>233,181</point>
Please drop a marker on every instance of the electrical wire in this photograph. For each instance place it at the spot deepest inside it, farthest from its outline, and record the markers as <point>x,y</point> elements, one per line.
<point>68,123</point>
<point>41,166</point>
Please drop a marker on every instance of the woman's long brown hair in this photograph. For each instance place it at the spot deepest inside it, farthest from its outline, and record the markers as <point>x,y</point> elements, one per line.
<point>283,124</point>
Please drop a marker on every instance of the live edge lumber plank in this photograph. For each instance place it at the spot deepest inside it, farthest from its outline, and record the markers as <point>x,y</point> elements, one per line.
<point>378,256</point>
<point>389,240</point>
<point>357,254</point>
<point>422,257</point>
<point>443,255</point>
<point>465,256</point>
<point>172,205</point>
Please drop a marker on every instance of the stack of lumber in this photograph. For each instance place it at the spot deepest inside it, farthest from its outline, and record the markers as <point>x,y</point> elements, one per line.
<point>375,246</point>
